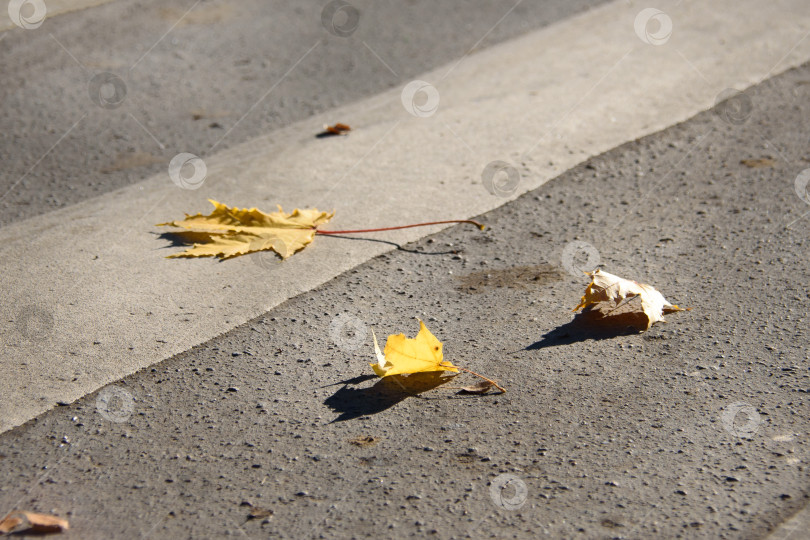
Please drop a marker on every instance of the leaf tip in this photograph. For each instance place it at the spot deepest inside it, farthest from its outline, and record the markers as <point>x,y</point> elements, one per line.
<point>380,372</point>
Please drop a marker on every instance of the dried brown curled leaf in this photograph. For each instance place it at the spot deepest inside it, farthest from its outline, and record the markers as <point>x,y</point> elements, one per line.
<point>608,289</point>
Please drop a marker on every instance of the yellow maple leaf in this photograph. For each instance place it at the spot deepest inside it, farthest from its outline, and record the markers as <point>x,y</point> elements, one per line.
<point>227,232</point>
<point>406,355</point>
<point>605,287</point>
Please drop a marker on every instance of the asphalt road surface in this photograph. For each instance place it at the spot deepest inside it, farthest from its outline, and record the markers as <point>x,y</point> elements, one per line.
<point>201,77</point>
<point>695,429</point>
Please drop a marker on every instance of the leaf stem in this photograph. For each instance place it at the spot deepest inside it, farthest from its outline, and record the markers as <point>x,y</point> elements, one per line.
<point>358,231</point>
<point>493,383</point>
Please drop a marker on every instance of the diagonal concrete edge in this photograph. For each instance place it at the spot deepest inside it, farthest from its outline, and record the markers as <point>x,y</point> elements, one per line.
<point>88,296</point>
<point>793,528</point>
<point>30,15</point>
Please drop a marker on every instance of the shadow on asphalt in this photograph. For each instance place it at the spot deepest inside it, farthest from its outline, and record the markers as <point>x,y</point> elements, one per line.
<point>398,246</point>
<point>352,403</point>
<point>593,324</point>
<point>354,380</point>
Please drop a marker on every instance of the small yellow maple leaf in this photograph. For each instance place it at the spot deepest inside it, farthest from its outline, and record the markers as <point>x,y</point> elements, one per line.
<point>406,355</point>
<point>227,232</point>
<point>605,287</point>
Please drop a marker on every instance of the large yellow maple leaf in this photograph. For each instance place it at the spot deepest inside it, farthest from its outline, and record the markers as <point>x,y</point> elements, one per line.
<point>227,232</point>
<point>410,355</point>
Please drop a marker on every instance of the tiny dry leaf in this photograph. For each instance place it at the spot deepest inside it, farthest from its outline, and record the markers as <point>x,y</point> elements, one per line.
<point>227,232</point>
<point>9,523</point>
<point>368,440</point>
<point>20,520</point>
<point>478,388</point>
<point>337,129</point>
<point>758,163</point>
<point>45,523</point>
<point>410,355</point>
<point>605,287</point>
<point>260,513</point>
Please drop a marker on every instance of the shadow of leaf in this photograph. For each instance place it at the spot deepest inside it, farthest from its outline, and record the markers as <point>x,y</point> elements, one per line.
<point>327,135</point>
<point>385,393</point>
<point>354,380</point>
<point>185,238</point>
<point>597,323</point>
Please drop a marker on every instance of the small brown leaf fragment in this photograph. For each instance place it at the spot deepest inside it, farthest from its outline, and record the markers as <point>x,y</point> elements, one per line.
<point>44,523</point>
<point>759,163</point>
<point>37,523</point>
<point>260,513</point>
<point>361,441</point>
<point>9,523</point>
<point>480,388</point>
<point>337,129</point>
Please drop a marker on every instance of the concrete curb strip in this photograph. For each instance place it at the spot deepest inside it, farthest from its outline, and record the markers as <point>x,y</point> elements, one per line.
<point>29,14</point>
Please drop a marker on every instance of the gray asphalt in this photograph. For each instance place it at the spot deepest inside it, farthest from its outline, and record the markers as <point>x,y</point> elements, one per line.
<point>201,77</point>
<point>695,429</point>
